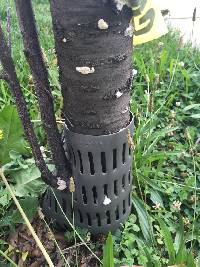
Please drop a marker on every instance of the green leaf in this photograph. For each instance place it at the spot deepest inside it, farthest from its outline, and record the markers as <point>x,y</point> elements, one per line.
<point>195,116</point>
<point>190,260</point>
<point>168,241</point>
<point>29,205</point>
<point>157,155</point>
<point>16,164</point>
<point>6,220</point>
<point>149,257</point>
<point>144,221</point>
<point>152,183</point>
<point>155,197</point>
<point>198,263</point>
<point>192,106</point>
<point>29,182</point>
<point>180,236</point>
<point>135,228</point>
<point>187,79</point>
<point>4,197</point>
<point>108,257</point>
<point>13,138</point>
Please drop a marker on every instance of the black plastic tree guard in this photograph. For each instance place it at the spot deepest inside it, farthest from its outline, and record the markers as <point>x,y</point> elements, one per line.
<point>102,173</point>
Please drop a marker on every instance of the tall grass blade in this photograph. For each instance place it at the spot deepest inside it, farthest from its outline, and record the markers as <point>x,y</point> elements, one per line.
<point>108,257</point>
<point>198,263</point>
<point>190,260</point>
<point>180,243</point>
<point>144,221</point>
<point>168,241</point>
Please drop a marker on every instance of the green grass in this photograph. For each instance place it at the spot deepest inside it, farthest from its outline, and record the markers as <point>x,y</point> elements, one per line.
<point>165,102</point>
<point>166,158</point>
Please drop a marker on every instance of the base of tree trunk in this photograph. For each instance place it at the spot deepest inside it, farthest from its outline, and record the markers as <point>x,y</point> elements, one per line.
<point>103,182</point>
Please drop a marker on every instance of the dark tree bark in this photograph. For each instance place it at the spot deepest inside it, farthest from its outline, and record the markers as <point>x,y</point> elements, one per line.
<point>34,57</point>
<point>96,103</point>
<point>10,76</point>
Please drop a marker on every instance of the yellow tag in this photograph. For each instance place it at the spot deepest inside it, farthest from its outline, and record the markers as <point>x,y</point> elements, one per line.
<point>148,22</point>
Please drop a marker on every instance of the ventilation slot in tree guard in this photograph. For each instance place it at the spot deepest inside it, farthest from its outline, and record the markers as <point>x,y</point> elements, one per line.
<point>98,219</point>
<point>117,213</point>
<point>103,162</point>
<point>105,190</point>
<point>90,156</point>
<point>89,219</point>
<point>74,158</point>
<point>115,188</point>
<point>108,217</point>
<point>114,158</point>
<point>124,206</point>
<point>80,160</point>
<point>123,153</point>
<point>94,190</point>
<point>101,168</point>
<point>80,217</point>
<point>129,177</point>
<point>84,195</point>
<point>123,182</point>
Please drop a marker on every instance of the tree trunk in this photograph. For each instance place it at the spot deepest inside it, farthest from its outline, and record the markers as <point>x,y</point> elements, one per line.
<point>96,103</point>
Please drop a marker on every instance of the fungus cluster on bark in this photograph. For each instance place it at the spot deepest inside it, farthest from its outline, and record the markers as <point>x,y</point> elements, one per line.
<point>94,47</point>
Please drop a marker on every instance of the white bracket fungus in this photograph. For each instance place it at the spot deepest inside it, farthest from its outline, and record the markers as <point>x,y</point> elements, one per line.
<point>134,72</point>
<point>129,31</point>
<point>118,94</point>
<point>120,4</point>
<point>61,184</point>
<point>125,110</point>
<point>85,70</point>
<point>107,201</point>
<point>102,24</point>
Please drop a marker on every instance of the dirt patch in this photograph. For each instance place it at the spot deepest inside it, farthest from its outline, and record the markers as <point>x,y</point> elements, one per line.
<point>25,252</point>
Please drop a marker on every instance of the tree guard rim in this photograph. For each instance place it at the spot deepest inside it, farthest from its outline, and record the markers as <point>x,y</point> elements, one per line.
<point>103,135</point>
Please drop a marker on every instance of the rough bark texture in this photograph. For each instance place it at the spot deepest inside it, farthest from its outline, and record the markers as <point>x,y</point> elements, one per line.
<point>11,77</point>
<point>91,102</point>
<point>34,57</point>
